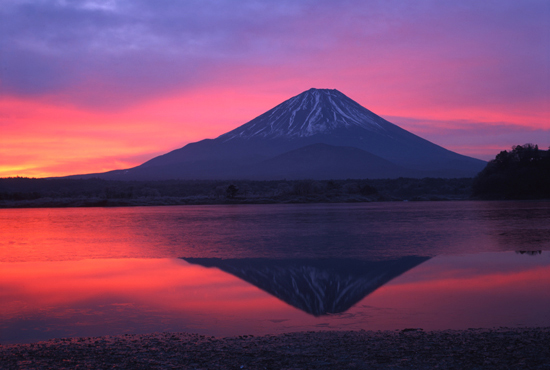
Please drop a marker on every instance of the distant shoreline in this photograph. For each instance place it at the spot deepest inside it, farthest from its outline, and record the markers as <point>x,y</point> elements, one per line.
<point>63,193</point>
<point>55,193</point>
<point>174,201</point>
<point>502,348</point>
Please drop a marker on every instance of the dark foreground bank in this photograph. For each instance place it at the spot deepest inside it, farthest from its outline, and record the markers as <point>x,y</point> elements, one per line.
<point>505,348</point>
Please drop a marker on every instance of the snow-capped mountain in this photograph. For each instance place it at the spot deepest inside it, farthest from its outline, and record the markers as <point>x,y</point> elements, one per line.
<point>312,112</point>
<point>316,286</point>
<point>318,134</point>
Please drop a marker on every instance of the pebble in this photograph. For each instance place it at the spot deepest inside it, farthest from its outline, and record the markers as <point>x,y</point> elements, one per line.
<point>502,348</point>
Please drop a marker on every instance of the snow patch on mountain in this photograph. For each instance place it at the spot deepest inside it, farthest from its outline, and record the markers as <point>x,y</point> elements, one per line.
<point>316,111</point>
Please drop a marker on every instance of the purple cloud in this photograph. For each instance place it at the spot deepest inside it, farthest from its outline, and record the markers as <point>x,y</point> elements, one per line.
<point>107,53</point>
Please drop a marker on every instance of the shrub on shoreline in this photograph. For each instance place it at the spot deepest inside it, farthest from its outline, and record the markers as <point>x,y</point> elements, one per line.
<point>522,173</point>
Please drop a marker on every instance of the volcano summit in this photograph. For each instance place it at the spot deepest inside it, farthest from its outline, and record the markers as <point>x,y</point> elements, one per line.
<point>318,134</point>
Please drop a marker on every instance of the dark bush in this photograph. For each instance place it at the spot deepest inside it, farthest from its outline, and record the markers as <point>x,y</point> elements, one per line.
<point>522,173</point>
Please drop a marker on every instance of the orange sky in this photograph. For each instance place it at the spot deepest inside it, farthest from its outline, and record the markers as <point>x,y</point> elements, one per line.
<point>102,296</point>
<point>41,139</point>
<point>125,88</point>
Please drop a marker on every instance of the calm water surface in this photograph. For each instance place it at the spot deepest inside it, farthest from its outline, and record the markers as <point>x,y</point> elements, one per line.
<point>227,270</point>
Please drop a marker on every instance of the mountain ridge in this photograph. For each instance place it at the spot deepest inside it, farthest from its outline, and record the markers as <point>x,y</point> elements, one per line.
<point>322,113</point>
<point>316,116</point>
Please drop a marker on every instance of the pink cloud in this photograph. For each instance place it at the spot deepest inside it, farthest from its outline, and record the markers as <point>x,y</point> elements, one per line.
<point>81,86</point>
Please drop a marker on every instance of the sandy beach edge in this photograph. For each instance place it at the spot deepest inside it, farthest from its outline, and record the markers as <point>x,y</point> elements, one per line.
<point>502,348</point>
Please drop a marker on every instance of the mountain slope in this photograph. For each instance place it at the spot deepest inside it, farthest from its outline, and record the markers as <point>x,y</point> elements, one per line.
<point>323,161</point>
<point>310,113</point>
<point>316,116</point>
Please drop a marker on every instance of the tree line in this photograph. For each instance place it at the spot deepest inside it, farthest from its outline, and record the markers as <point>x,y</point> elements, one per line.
<point>220,191</point>
<point>522,173</point>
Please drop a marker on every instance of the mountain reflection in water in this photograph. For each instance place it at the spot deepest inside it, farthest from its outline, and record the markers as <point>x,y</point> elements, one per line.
<point>316,286</point>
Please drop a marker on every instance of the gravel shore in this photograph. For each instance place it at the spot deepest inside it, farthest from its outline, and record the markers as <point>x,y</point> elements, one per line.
<point>504,348</point>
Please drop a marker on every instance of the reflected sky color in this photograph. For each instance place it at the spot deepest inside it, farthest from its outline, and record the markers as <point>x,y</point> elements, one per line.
<point>91,272</point>
<point>106,297</point>
<point>99,297</point>
<point>91,86</point>
<point>366,231</point>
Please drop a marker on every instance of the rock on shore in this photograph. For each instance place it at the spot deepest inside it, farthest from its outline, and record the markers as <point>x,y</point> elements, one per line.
<point>504,348</point>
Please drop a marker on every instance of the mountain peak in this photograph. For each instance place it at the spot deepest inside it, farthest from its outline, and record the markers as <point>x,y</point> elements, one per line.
<point>321,134</point>
<point>313,89</point>
<point>315,111</point>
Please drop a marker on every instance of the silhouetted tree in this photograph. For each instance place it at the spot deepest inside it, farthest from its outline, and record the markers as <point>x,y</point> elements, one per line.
<point>368,190</point>
<point>522,173</point>
<point>231,191</point>
<point>351,188</point>
<point>304,187</point>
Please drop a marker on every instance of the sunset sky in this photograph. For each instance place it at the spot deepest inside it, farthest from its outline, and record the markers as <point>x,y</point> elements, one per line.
<point>91,86</point>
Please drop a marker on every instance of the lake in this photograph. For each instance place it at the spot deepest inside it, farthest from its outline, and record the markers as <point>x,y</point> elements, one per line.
<point>260,269</point>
